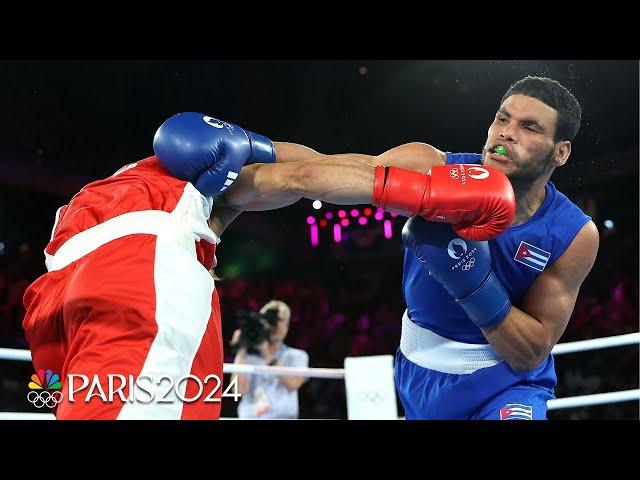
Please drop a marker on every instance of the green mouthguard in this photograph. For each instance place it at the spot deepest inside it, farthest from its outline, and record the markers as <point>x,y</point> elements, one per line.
<point>500,150</point>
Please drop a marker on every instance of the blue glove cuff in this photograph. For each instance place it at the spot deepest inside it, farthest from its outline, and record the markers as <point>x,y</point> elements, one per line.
<point>489,304</point>
<point>262,150</point>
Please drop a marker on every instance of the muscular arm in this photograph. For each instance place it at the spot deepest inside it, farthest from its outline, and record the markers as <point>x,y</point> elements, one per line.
<point>268,186</point>
<point>416,156</point>
<point>300,172</point>
<point>527,336</point>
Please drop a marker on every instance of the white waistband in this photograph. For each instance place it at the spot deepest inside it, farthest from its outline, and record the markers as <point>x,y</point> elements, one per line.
<point>429,350</point>
<point>185,225</point>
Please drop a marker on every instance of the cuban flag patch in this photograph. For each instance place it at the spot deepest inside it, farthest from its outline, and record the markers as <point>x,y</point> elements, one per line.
<point>531,256</point>
<point>516,411</point>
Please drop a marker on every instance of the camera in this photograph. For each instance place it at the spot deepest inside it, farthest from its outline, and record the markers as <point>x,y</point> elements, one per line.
<point>255,328</point>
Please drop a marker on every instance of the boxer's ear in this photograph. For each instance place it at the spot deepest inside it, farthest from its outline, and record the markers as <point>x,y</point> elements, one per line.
<point>563,150</point>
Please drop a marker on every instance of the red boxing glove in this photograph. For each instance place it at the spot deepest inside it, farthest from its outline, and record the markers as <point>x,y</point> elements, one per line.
<point>478,201</point>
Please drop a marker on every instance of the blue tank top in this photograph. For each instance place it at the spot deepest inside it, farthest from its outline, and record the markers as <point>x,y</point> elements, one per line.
<point>519,255</point>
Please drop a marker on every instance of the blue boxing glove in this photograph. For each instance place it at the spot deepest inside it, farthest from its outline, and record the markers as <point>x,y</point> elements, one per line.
<point>208,152</point>
<point>462,267</point>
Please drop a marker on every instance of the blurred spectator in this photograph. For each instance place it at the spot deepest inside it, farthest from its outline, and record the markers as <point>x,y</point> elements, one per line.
<point>268,396</point>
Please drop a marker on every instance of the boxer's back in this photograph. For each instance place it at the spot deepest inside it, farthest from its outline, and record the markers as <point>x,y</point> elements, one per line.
<point>136,187</point>
<point>126,292</point>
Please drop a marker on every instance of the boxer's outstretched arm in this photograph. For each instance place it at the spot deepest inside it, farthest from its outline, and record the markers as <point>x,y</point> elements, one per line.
<point>269,186</point>
<point>300,172</point>
<point>526,336</point>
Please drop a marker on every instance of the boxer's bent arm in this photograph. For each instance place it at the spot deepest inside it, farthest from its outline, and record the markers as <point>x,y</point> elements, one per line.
<point>415,156</point>
<point>526,336</point>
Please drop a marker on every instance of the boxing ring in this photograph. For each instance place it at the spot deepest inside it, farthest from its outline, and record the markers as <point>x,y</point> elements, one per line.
<point>10,354</point>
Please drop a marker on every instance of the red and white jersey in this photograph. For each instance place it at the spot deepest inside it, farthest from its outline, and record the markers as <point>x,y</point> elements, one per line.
<point>128,294</point>
<point>142,187</point>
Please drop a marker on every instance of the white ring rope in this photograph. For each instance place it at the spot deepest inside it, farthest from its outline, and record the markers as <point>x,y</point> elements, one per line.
<point>338,373</point>
<point>15,354</point>
<point>596,343</point>
<point>594,399</point>
<point>25,355</point>
<point>301,371</point>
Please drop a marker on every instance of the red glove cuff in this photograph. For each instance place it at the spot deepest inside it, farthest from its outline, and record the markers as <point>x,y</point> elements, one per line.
<point>399,191</point>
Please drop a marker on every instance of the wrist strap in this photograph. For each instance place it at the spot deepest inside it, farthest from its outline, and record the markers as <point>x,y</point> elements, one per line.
<point>489,304</point>
<point>262,150</point>
<point>399,191</point>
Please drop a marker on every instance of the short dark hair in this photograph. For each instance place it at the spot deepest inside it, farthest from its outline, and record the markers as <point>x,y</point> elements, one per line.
<point>557,97</point>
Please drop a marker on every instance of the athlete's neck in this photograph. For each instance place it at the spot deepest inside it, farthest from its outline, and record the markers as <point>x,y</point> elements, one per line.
<point>529,197</point>
<point>274,347</point>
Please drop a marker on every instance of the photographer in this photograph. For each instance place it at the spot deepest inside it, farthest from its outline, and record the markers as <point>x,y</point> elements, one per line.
<point>260,341</point>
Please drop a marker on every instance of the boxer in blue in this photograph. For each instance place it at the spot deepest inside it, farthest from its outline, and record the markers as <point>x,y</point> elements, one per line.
<point>478,330</point>
<point>484,306</point>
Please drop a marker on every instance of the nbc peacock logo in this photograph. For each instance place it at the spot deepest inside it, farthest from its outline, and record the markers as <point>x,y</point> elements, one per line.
<point>40,385</point>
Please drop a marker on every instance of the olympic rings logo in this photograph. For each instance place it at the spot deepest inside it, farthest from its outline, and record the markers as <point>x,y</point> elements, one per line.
<point>40,399</point>
<point>373,397</point>
<point>453,173</point>
<point>469,265</point>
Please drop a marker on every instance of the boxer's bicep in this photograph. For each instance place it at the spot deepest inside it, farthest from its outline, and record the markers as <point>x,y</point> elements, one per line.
<point>416,156</point>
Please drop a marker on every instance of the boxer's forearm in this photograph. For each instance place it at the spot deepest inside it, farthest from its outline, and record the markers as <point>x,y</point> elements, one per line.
<point>520,339</point>
<point>338,179</point>
<point>269,186</point>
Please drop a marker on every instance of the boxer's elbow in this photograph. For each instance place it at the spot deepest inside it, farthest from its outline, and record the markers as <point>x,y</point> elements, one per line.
<point>523,365</point>
<point>528,357</point>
